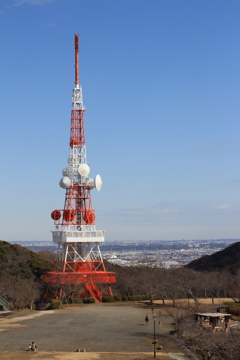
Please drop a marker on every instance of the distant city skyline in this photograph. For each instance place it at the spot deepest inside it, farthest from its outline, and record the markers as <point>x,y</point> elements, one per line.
<point>160,84</point>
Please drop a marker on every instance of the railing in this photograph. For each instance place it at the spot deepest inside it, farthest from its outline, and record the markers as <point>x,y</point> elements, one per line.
<point>4,303</point>
<point>79,234</point>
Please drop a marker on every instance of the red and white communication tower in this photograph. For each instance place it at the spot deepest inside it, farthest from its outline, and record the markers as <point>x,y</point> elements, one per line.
<point>79,265</point>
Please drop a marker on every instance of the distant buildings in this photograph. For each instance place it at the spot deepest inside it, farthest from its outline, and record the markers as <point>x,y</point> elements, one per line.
<point>158,253</point>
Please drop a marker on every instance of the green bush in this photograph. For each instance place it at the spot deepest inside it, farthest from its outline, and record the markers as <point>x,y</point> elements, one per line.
<point>78,301</point>
<point>118,298</point>
<point>55,304</point>
<point>233,304</point>
<point>144,297</point>
<point>139,298</point>
<point>234,310</point>
<point>89,300</point>
<point>124,298</point>
<point>108,299</point>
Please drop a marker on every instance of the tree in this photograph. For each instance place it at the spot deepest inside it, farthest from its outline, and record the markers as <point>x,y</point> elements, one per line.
<point>234,287</point>
<point>147,281</point>
<point>127,280</point>
<point>222,346</point>
<point>20,274</point>
<point>172,286</point>
<point>161,276</point>
<point>47,255</point>
<point>32,291</point>
<point>188,283</point>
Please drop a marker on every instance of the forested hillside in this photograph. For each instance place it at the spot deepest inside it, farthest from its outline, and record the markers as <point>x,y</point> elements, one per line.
<point>20,274</point>
<point>226,259</point>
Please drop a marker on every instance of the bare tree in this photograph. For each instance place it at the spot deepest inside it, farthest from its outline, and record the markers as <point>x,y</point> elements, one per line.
<point>222,346</point>
<point>68,287</point>
<point>189,283</point>
<point>172,286</point>
<point>161,276</point>
<point>234,287</point>
<point>148,281</point>
<point>48,255</point>
<point>32,291</point>
<point>127,280</point>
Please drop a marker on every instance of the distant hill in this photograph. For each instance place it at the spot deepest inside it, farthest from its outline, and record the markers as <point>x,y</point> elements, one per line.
<point>19,262</point>
<point>226,259</point>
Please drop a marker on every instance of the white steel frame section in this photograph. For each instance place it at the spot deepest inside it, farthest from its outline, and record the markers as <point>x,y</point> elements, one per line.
<point>76,252</point>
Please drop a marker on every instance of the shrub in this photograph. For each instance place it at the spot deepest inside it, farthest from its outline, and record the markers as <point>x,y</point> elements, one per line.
<point>20,305</point>
<point>29,306</point>
<point>78,301</point>
<point>234,311</point>
<point>55,304</point>
<point>108,299</point>
<point>233,304</point>
<point>89,300</point>
<point>139,297</point>
<point>124,298</point>
<point>143,297</point>
<point>118,298</point>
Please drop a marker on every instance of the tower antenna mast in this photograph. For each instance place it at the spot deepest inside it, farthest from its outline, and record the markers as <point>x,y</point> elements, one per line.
<point>78,268</point>
<point>76,37</point>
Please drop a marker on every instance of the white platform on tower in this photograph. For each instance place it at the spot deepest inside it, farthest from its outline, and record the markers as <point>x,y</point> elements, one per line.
<point>78,236</point>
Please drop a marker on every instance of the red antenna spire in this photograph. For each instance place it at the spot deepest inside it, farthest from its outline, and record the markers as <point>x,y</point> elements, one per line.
<point>76,59</point>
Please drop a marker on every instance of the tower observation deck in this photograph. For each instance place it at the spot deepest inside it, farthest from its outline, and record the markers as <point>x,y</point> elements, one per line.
<point>78,269</point>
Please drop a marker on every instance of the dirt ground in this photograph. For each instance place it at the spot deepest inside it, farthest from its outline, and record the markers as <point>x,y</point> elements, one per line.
<point>106,331</point>
<point>80,356</point>
<point>201,301</point>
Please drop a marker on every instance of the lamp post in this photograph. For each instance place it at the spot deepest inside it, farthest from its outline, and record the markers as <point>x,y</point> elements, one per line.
<point>154,315</point>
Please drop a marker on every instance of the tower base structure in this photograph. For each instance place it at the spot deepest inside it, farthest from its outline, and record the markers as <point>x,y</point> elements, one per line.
<point>79,271</point>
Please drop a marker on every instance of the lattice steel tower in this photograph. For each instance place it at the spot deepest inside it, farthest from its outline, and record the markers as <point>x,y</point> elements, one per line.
<point>79,265</point>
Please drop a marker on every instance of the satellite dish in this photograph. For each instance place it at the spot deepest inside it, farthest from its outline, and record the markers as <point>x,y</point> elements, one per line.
<point>67,172</point>
<point>65,182</point>
<point>89,182</point>
<point>84,169</point>
<point>98,182</point>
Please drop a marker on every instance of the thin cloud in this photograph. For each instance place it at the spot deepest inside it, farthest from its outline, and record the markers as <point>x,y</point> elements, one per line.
<point>223,207</point>
<point>142,212</point>
<point>32,2</point>
<point>167,207</point>
<point>166,211</point>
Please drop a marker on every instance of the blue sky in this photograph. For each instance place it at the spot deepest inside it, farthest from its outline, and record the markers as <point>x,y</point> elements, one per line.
<point>161,87</point>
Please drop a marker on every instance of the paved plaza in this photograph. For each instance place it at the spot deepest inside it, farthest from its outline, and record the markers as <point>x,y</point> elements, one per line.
<point>98,328</point>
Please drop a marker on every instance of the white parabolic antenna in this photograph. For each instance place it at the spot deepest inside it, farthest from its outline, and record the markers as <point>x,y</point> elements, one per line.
<point>98,182</point>
<point>84,169</point>
<point>67,172</point>
<point>65,182</point>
